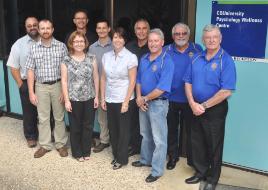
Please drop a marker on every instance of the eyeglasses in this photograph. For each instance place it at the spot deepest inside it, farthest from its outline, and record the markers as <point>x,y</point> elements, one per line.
<point>79,42</point>
<point>180,34</point>
<point>80,18</point>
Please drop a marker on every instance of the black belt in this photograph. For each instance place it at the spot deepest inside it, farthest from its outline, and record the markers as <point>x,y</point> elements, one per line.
<point>160,98</point>
<point>51,82</point>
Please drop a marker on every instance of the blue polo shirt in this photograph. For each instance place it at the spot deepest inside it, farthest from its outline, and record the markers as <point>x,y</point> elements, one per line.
<point>208,77</point>
<point>155,74</point>
<point>181,63</point>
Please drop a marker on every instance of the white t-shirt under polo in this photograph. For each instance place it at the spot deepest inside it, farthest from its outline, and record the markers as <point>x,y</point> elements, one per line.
<point>116,70</point>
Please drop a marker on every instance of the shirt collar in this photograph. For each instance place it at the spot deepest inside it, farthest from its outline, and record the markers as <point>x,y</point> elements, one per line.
<point>121,53</point>
<point>109,42</point>
<point>216,56</point>
<point>53,42</point>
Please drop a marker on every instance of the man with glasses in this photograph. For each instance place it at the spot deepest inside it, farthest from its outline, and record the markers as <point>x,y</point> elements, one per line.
<point>179,112</point>
<point>80,21</point>
<point>16,61</point>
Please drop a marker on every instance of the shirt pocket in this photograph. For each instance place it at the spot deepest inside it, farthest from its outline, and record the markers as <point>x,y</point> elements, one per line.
<point>39,59</point>
<point>213,76</point>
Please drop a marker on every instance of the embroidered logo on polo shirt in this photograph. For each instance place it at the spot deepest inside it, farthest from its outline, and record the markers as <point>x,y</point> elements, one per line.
<point>214,66</point>
<point>154,68</point>
<point>191,54</point>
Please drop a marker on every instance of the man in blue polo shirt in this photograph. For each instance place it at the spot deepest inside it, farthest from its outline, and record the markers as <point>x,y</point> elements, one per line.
<point>209,81</point>
<point>179,112</point>
<point>153,85</point>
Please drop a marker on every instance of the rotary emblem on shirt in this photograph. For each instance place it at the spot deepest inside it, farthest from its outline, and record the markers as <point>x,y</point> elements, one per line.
<point>191,54</point>
<point>214,66</point>
<point>154,68</point>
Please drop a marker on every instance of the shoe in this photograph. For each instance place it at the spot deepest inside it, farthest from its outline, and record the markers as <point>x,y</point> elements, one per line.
<point>113,162</point>
<point>151,178</point>
<point>100,147</point>
<point>86,158</point>
<point>40,152</point>
<point>172,163</point>
<point>132,152</point>
<point>31,143</point>
<point>63,151</point>
<point>193,180</point>
<point>81,159</point>
<point>117,166</point>
<point>139,164</point>
<point>209,186</point>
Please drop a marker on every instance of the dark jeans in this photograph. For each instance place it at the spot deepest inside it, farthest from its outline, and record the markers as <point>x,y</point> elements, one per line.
<point>135,136</point>
<point>81,126</point>
<point>179,118</point>
<point>208,138</point>
<point>29,113</point>
<point>119,129</point>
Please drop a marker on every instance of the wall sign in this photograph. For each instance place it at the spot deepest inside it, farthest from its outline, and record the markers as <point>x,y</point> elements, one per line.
<point>244,28</point>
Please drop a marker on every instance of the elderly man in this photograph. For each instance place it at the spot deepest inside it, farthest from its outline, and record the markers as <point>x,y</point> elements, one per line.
<point>209,81</point>
<point>179,112</point>
<point>80,20</point>
<point>101,46</point>
<point>139,47</point>
<point>43,64</point>
<point>153,85</point>
<point>16,62</point>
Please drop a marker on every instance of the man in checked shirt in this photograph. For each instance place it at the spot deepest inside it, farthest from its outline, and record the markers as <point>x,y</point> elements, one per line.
<point>43,65</point>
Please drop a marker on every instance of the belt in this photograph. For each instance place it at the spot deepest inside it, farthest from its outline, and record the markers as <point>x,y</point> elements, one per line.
<point>51,82</point>
<point>159,98</point>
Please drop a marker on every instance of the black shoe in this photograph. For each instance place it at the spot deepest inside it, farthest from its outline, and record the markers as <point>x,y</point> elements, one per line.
<point>209,186</point>
<point>151,178</point>
<point>193,180</point>
<point>100,147</point>
<point>132,152</point>
<point>172,163</point>
<point>113,162</point>
<point>117,166</point>
<point>139,164</point>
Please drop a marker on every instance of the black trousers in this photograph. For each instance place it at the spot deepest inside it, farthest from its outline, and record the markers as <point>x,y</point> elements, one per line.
<point>179,119</point>
<point>29,113</point>
<point>207,140</point>
<point>119,129</point>
<point>81,126</point>
<point>135,136</point>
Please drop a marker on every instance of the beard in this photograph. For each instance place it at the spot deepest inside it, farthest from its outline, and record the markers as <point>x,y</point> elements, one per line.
<point>181,42</point>
<point>33,34</point>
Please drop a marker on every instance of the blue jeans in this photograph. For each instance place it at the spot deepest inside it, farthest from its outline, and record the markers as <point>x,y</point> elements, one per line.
<point>153,128</point>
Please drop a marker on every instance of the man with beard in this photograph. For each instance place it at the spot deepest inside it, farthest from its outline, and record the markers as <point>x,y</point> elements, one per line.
<point>179,112</point>
<point>43,65</point>
<point>153,85</point>
<point>80,21</point>
<point>209,81</point>
<point>101,46</point>
<point>16,61</point>
<point>139,47</point>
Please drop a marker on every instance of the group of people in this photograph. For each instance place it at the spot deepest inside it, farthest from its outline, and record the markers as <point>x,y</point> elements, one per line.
<point>143,91</point>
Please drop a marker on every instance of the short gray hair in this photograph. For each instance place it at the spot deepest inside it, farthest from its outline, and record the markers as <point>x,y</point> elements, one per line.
<point>159,32</point>
<point>142,20</point>
<point>182,25</point>
<point>210,27</point>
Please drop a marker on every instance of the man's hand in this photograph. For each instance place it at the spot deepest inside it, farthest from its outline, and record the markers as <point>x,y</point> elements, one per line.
<point>124,107</point>
<point>198,109</point>
<point>103,105</point>
<point>68,106</point>
<point>33,99</point>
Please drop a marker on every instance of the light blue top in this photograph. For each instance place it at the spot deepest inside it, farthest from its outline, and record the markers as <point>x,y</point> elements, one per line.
<point>18,54</point>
